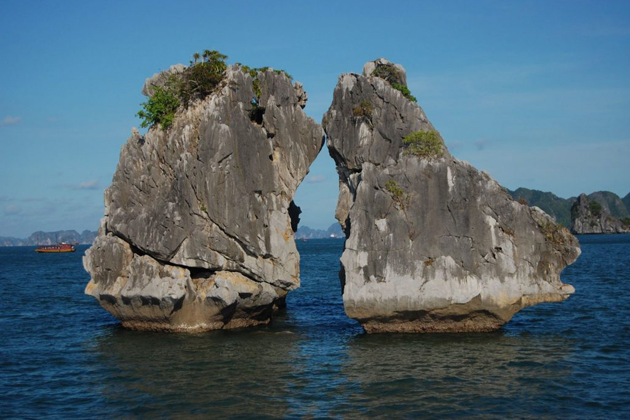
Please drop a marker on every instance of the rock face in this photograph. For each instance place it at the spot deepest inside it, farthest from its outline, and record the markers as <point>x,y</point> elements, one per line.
<point>433,245</point>
<point>589,216</point>
<point>199,220</point>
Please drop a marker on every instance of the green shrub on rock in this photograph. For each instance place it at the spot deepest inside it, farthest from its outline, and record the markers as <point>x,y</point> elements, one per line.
<point>204,74</point>
<point>387,72</point>
<point>398,194</point>
<point>159,109</point>
<point>200,79</point>
<point>391,75</point>
<point>196,82</point>
<point>405,91</point>
<point>424,144</point>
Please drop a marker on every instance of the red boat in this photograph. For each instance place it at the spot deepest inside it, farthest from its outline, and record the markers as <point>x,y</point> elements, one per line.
<point>55,248</point>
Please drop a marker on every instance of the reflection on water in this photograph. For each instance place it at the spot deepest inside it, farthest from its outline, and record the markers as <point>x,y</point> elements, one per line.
<point>278,373</point>
<point>447,375</point>
<point>200,375</point>
<point>64,357</point>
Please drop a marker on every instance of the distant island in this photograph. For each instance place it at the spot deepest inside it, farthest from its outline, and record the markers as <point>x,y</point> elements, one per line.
<point>334,231</point>
<point>598,212</point>
<point>51,238</point>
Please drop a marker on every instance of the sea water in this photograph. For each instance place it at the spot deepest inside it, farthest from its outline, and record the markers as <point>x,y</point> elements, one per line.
<point>62,356</point>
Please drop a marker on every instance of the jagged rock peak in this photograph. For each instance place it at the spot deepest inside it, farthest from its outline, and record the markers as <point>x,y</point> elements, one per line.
<point>433,244</point>
<point>199,220</point>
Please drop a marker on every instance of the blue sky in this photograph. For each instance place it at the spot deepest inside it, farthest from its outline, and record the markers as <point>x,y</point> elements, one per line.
<point>537,93</point>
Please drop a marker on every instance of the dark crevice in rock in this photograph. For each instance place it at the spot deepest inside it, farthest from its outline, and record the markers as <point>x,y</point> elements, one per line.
<point>294,214</point>
<point>195,272</point>
<point>178,304</point>
<point>256,114</point>
<point>201,273</point>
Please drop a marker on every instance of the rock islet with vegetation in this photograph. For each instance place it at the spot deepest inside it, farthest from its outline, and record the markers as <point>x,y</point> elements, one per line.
<point>433,244</point>
<point>199,223</point>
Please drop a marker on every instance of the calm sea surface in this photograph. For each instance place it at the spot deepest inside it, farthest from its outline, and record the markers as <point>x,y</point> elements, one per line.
<point>62,356</point>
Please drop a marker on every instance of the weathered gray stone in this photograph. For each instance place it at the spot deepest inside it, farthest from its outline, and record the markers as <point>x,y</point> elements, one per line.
<point>197,231</point>
<point>301,94</point>
<point>451,251</point>
<point>589,216</point>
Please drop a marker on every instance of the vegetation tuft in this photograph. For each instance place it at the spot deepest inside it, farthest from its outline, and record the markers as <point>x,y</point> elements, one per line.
<point>397,193</point>
<point>364,109</point>
<point>205,72</point>
<point>387,72</point>
<point>424,144</point>
<point>391,75</point>
<point>405,91</point>
<point>196,82</point>
<point>159,109</point>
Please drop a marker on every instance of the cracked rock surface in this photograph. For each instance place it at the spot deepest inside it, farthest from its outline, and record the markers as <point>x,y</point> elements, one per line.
<point>433,244</point>
<point>199,222</point>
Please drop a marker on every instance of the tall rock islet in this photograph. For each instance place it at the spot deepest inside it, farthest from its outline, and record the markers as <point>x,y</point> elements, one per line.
<point>589,216</point>
<point>433,244</point>
<point>199,223</point>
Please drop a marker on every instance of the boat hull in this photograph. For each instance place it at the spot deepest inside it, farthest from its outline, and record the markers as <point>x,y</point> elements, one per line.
<point>55,249</point>
<point>47,251</point>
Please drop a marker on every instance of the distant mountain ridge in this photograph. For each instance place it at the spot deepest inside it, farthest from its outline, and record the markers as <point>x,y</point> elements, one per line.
<point>556,207</point>
<point>560,208</point>
<point>334,231</point>
<point>51,238</point>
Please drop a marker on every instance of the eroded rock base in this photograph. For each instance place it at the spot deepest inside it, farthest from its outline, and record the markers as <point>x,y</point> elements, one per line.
<point>472,316</point>
<point>146,294</point>
<point>474,322</point>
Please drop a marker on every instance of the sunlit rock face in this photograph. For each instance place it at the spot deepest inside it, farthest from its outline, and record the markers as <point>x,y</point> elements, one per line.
<point>199,222</point>
<point>433,244</point>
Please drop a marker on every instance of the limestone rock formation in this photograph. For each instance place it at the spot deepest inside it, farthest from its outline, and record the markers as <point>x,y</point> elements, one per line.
<point>199,220</point>
<point>589,216</point>
<point>433,245</point>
